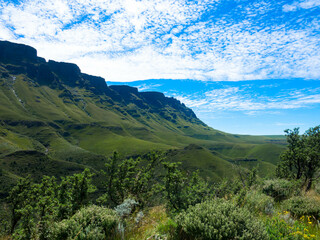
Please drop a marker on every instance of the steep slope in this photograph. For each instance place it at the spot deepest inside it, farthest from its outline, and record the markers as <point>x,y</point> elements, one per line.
<point>51,109</point>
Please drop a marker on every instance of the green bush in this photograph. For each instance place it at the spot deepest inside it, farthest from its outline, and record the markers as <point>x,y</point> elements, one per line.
<point>219,219</point>
<point>227,188</point>
<point>257,201</point>
<point>279,189</point>
<point>91,222</point>
<point>316,186</point>
<point>303,206</point>
<point>280,229</point>
<point>167,228</point>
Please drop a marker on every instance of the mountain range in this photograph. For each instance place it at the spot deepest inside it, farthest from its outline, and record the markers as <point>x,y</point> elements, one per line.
<point>56,120</point>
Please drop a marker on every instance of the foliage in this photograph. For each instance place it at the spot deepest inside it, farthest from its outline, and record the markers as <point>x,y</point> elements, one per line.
<point>247,177</point>
<point>34,206</point>
<point>91,222</point>
<point>293,159</point>
<point>219,219</point>
<point>125,208</point>
<point>18,199</point>
<point>182,190</point>
<point>280,229</point>
<point>73,192</point>
<point>302,158</point>
<point>300,206</point>
<point>4,220</point>
<point>258,202</point>
<point>168,228</point>
<point>316,186</point>
<point>279,189</point>
<point>150,226</point>
<point>227,188</point>
<point>133,177</point>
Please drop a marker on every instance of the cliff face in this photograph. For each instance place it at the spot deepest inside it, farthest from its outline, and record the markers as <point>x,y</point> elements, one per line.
<point>22,59</point>
<point>13,52</point>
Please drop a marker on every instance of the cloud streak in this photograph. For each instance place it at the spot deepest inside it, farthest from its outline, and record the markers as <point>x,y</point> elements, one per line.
<point>127,40</point>
<point>251,102</point>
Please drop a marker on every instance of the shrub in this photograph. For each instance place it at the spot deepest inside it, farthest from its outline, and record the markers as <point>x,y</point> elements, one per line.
<point>182,190</point>
<point>125,208</point>
<point>316,186</point>
<point>279,189</point>
<point>303,206</point>
<point>256,201</point>
<point>219,219</point>
<point>280,229</point>
<point>227,188</point>
<point>91,222</point>
<point>168,227</point>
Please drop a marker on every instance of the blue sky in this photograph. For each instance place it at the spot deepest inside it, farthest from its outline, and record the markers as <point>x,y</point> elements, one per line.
<point>212,41</point>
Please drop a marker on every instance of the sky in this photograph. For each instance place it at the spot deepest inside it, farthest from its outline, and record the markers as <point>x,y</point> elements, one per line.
<point>211,41</point>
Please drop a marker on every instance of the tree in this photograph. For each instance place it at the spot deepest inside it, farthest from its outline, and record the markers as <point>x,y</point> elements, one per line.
<point>312,163</point>
<point>72,193</point>
<point>182,190</point>
<point>80,187</point>
<point>35,206</point>
<point>18,199</point>
<point>131,177</point>
<point>302,158</point>
<point>293,159</point>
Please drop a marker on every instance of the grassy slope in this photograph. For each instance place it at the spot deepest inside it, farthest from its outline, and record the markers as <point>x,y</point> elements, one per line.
<point>22,163</point>
<point>84,129</point>
<point>194,157</point>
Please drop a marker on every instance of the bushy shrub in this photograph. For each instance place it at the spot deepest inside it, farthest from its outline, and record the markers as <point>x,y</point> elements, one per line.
<point>279,189</point>
<point>92,222</point>
<point>278,228</point>
<point>316,186</point>
<point>168,228</point>
<point>219,219</point>
<point>227,188</point>
<point>182,190</point>
<point>257,201</point>
<point>125,208</point>
<point>303,206</point>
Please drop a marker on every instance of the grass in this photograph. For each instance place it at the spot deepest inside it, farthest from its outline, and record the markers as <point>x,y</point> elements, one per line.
<point>194,157</point>
<point>148,227</point>
<point>72,124</point>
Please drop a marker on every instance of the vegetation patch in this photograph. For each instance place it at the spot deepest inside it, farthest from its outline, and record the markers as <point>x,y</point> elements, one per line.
<point>219,219</point>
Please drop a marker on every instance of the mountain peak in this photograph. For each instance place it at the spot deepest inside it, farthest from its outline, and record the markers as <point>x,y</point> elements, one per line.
<point>14,52</point>
<point>19,59</point>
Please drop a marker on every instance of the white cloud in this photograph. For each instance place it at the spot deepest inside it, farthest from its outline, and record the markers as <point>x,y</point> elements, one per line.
<point>5,33</point>
<point>148,87</point>
<point>127,40</point>
<point>305,4</point>
<point>236,99</point>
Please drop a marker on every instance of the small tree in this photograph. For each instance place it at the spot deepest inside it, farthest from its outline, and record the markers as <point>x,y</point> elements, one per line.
<point>312,163</point>
<point>34,206</point>
<point>181,190</point>
<point>132,177</point>
<point>302,158</point>
<point>18,199</point>
<point>293,160</point>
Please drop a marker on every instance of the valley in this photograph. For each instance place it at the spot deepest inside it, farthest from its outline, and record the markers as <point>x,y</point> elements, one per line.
<point>61,120</point>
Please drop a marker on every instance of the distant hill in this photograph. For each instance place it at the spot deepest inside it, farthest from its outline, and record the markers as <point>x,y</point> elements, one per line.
<point>54,120</point>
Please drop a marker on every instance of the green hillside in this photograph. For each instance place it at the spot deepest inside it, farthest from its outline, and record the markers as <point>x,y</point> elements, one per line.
<point>56,118</point>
